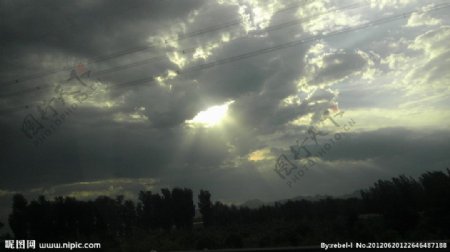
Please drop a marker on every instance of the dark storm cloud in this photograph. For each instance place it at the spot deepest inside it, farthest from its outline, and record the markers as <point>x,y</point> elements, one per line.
<point>103,143</point>
<point>355,162</point>
<point>85,27</point>
<point>35,33</point>
<point>396,150</point>
<point>103,151</point>
<point>258,84</point>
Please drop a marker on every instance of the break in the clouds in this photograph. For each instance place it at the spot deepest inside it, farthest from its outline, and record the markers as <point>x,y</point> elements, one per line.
<point>207,94</point>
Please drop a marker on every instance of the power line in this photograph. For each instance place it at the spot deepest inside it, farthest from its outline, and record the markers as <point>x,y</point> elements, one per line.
<point>180,37</point>
<point>69,25</point>
<point>150,60</point>
<point>291,44</point>
<point>274,48</point>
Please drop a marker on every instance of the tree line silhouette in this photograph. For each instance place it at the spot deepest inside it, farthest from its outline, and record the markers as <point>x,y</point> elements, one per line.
<point>400,209</point>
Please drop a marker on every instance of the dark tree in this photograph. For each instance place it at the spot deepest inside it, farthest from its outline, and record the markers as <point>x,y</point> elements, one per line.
<point>166,217</point>
<point>128,216</point>
<point>183,207</point>
<point>145,209</point>
<point>153,215</point>
<point>233,241</point>
<point>19,217</point>
<point>391,210</point>
<point>40,216</point>
<point>437,199</point>
<point>4,236</point>
<point>398,200</point>
<point>205,207</point>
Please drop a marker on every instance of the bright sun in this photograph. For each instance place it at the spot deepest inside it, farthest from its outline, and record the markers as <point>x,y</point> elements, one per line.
<point>211,116</point>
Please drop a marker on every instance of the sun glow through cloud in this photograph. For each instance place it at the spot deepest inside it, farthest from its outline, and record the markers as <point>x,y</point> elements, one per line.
<point>211,116</point>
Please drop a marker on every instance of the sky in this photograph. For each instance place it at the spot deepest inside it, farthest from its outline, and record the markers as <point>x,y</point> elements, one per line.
<point>113,97</point>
